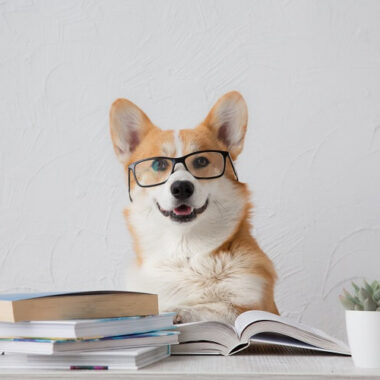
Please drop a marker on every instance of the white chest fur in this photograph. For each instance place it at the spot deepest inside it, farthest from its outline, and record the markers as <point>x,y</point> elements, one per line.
<point>201,279</point>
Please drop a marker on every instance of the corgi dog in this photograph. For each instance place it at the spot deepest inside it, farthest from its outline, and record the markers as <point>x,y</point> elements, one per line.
<point>189,215</point>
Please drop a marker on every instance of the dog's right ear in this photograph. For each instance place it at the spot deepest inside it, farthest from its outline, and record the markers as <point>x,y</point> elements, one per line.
<point>228,119</point>
<point>129,124</point>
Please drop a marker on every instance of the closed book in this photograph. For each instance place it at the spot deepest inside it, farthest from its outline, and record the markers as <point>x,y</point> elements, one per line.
<point>130,358</point>
<point>77,305</point>
<point>55,346</point>
<point>87,328</point>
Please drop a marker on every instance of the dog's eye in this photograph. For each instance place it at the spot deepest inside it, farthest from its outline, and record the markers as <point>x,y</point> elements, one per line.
<point>200,162</point>
<point>159,165</point>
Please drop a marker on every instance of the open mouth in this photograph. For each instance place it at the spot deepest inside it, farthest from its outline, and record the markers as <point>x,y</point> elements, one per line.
<point>183,213</point>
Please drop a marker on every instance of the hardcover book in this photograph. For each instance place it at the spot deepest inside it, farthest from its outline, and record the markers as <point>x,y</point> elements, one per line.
<point>76,305</point>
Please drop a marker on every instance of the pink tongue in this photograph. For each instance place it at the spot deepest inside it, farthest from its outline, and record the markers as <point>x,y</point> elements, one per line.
<point>183,210</point>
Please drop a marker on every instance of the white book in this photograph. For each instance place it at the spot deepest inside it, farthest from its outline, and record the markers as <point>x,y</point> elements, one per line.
<point>250,327</point>
<point>53,346</point>
<point>86,328</point>
<point>115,359</point>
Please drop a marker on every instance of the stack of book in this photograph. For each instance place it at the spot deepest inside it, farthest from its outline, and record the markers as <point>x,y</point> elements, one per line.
<point>83,330</point>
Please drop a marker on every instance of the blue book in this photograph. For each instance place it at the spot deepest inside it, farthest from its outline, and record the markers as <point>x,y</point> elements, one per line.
<point>75,305</point>
<point>87,328</point>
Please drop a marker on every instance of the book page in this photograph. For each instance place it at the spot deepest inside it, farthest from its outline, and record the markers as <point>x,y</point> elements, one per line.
<point>251,323</point>
<point>208,331</point>
<point>253,316</point>
<point>282,340</point>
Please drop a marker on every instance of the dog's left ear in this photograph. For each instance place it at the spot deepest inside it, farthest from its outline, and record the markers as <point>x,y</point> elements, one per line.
<point>228,119</point>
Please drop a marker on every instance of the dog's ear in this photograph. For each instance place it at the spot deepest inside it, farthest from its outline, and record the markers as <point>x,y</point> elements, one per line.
<point>129,125</point>
<point>228,119</point>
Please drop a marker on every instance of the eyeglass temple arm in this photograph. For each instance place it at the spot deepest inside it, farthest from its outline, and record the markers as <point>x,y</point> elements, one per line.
<point>233,166</point>
<point>129,184</point>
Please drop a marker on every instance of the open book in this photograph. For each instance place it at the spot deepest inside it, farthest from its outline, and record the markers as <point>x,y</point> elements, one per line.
<point>252,326</point>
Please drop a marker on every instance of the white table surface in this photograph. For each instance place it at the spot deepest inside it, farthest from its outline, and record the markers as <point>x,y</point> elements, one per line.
<point>263,363</point>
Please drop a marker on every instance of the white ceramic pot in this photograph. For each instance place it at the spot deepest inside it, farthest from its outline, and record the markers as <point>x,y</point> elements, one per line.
<point>363,330</point>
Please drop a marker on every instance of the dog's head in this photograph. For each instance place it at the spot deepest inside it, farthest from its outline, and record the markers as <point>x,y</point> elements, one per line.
<point>201,186</point>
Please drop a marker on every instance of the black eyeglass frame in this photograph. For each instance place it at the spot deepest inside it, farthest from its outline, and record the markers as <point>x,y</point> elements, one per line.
<point>181,160</point>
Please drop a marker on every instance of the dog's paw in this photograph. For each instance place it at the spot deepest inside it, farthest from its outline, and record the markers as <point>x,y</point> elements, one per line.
<point>182,316</point>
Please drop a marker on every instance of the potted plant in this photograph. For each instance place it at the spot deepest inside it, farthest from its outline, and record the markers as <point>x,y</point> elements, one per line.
<point>363,323</point>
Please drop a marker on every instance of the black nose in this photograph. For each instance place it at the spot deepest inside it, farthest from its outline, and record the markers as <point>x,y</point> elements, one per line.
<point>182,189</point>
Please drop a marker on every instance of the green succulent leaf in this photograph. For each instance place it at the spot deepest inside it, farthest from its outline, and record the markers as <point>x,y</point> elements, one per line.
<point>350,297</point>
<point>368,287</point>
<point>376,295</point>
<point>355,287</point>
<point>363,295</point>
<point>347,304</point>
<point>369,305</point>
<point>355,300</point>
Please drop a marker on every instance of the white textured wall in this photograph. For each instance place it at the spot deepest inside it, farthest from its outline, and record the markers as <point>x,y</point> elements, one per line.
<point>310,71</point>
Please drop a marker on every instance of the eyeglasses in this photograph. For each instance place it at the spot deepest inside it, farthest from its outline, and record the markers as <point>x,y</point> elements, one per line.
<point>155,171</point>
